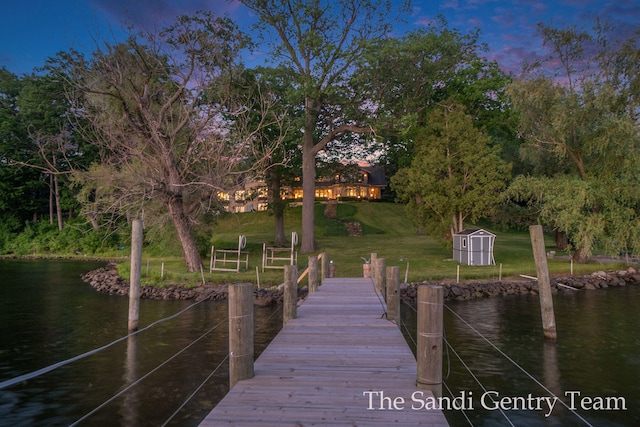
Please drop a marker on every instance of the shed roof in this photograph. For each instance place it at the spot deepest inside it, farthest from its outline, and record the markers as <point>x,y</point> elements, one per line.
<point>471,232</point>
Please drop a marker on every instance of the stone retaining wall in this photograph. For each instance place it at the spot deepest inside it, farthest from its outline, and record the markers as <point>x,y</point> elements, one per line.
<point>107,280</point>
<point>471,290</point>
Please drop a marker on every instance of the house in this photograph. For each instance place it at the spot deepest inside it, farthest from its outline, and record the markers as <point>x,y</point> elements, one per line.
<point>362,181</point>
<point>474,247</point>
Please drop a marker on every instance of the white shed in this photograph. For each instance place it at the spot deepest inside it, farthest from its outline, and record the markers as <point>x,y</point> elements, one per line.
<point>474,247</point>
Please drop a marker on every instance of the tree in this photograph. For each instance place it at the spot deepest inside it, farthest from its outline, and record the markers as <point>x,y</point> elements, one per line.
<point>170,126</point>
<point>51,139</point>
<point>579,124</point>
<point>17,185</point>
<point>407,78</point>
<point>284,164</point>
<point>38,147</point>
<point>320,42</point>
<point>456,174</point>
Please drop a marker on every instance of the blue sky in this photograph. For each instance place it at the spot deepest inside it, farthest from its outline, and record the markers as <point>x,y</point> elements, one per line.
<point>33,30</point>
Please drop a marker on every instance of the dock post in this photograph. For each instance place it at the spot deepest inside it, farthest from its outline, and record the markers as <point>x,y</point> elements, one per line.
<point>289,309</point>
<point>429,345</point>
<point>240,332</point>
<point>134,277</point>
<point>313,273</point>
<point>544,284</point>
<point>372,261</point>
<point>324,265</point>
<point>379,274</point>
<point>393,294</point>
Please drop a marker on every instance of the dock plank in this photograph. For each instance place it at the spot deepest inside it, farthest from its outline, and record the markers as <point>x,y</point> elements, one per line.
<point>318,369</point>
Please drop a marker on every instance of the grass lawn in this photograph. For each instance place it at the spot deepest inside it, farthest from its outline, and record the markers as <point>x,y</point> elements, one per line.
<point>387,232</point>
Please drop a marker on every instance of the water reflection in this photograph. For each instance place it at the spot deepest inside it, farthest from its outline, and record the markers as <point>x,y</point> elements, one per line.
<point>130,404</point>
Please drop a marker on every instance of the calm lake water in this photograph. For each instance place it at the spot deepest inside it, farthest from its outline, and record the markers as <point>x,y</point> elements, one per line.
<point>597,355</point>
<point>47,314</point>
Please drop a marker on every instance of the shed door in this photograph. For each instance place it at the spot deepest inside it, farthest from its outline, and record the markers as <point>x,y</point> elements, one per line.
<point>480,250</point>
<point>475,257</point>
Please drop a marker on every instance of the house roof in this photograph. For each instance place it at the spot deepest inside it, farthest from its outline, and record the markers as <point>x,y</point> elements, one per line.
<point>473,231</point>
<point>376,175</point>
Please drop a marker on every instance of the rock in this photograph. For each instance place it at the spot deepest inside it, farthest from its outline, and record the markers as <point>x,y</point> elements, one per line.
<point>107,280</point>
<point>473,289</point>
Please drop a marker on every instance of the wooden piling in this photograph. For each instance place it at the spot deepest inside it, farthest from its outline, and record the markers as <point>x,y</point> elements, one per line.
<point>544,283</point>
<point>134,277</point>
<point>290,300</point>
<point>313,274</point>
<point>324,265</point>
<point>379,274</point>
<point>372,261</point>
<point>393,294</point>
<point>240,332</point>
<point>429,343</point>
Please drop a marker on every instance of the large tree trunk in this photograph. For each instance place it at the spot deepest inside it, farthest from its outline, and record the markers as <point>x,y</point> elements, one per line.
<point>277,206</point>
<point>183,228</point>
<point>581,254</point>
<point>562,241</point>
<point>308,244</point>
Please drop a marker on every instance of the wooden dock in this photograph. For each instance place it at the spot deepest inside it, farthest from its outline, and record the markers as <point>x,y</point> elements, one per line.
<point>329,367</point>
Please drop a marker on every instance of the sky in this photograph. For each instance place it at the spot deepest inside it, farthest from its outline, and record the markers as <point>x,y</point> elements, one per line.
<point>33,30</point>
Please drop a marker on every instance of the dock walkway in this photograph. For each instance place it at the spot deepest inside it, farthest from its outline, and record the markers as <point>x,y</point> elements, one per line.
<point>328,367</point>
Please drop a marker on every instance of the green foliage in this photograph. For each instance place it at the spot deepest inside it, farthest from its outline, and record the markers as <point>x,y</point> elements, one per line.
<point>593,213</point>
<point>76,238</point>
<point>580,136</point>
<point>456,175</point>
<point>409,77</point>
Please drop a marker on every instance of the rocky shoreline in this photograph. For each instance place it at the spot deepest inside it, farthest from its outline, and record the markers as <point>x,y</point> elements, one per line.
<point>481,289</point>
<point>107,280</point>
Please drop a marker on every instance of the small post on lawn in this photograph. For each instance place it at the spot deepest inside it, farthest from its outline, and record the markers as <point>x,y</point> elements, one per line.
<point>544,284</point>
<point>289,309</point>
<point>429,343</point>
<point>379,274</point>
<point>134,277</point>
<point>393,294</point>
<point>313,273</point>
<point>240,332</point>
